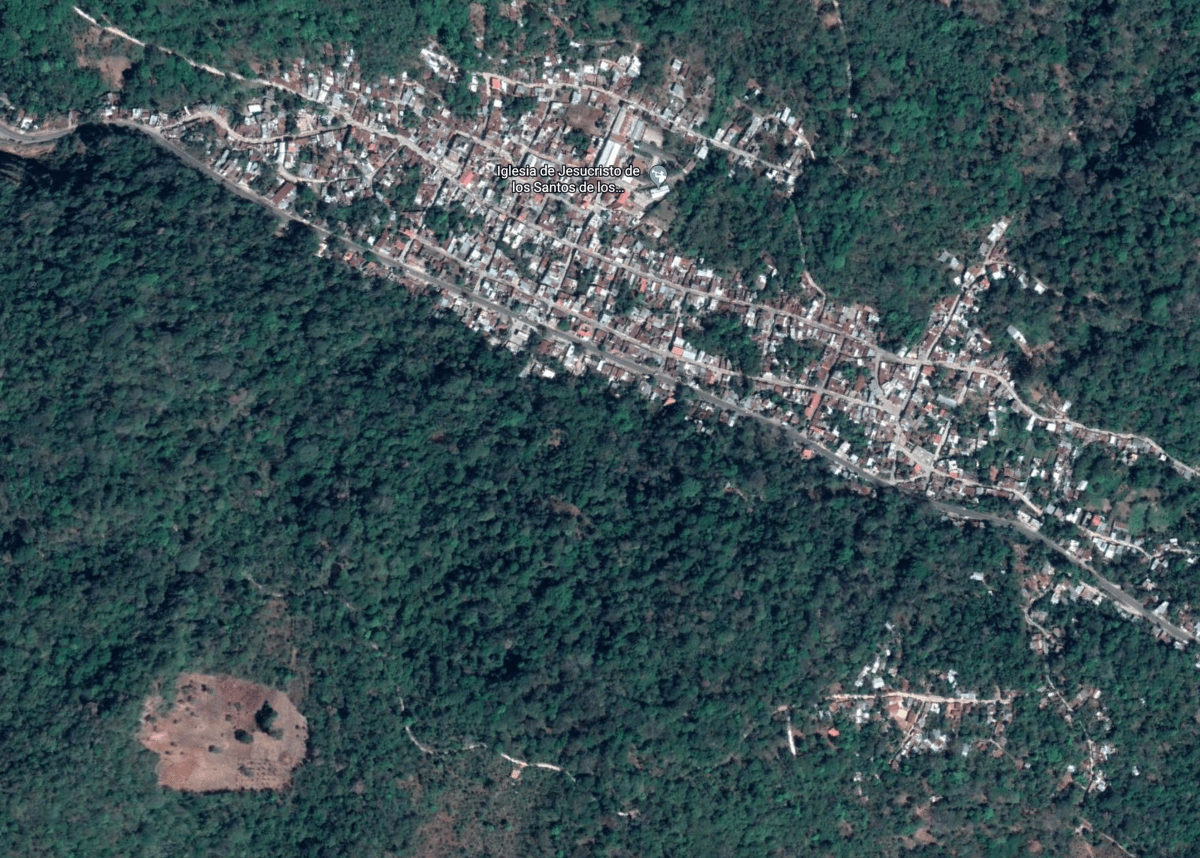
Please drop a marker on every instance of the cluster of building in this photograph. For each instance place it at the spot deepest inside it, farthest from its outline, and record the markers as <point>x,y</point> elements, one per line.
<point>927,722</point>
<point>1085,707</point>
<point>585,277</point>
<point>1061,587</point>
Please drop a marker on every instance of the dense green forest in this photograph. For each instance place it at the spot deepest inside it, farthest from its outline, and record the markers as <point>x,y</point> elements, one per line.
<point>740,224</point>
<point>725,334</point>
<point>221,454</point>
<point>41,38</point>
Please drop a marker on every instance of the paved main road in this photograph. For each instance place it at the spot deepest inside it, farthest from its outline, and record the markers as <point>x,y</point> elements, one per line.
<point>16,135</point>
<point>1113,591</point>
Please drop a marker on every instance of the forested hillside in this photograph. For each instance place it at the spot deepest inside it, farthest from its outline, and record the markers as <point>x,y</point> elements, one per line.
<point>221,454</point>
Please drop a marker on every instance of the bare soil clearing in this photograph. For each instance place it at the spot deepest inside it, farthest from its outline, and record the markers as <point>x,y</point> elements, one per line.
<point>477,14</point>
<point>94,50</point>
<point>224,734</point>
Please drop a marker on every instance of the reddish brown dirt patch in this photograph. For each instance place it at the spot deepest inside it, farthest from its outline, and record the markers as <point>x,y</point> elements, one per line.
<point>480,810</point>
<point>95,49</point>
<point>477,15</point>
<point>1080,848</point>
<point>512,13</point>
<point>589,120</point>
<point>921,837</point>
<point>113,69</point>
<point>220,735</point>
<point>563,508</point>
<point>27,150</point>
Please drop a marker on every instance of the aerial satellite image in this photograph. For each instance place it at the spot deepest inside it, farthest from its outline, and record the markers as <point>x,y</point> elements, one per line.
<point>606,428</point>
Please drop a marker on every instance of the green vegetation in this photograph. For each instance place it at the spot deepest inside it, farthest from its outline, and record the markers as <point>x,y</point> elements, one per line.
<point>517,106</point>
<point>165,82</point>
<point>446,222</point>
<point>401,195</point>
<point>39,69</point>
<point>459,98</point>
<point>1159,500</point>
<point>579,141</point>
<point>1077,119</point>
<point>795,355</point>
<point>725,334</point>
<point>37,58</point>
<point>741,225</point>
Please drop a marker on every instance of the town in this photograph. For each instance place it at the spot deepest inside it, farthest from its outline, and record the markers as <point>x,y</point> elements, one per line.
<point>533,217</point>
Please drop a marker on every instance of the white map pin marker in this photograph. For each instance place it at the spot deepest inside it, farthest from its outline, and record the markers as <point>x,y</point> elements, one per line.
<point>659,174</point>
